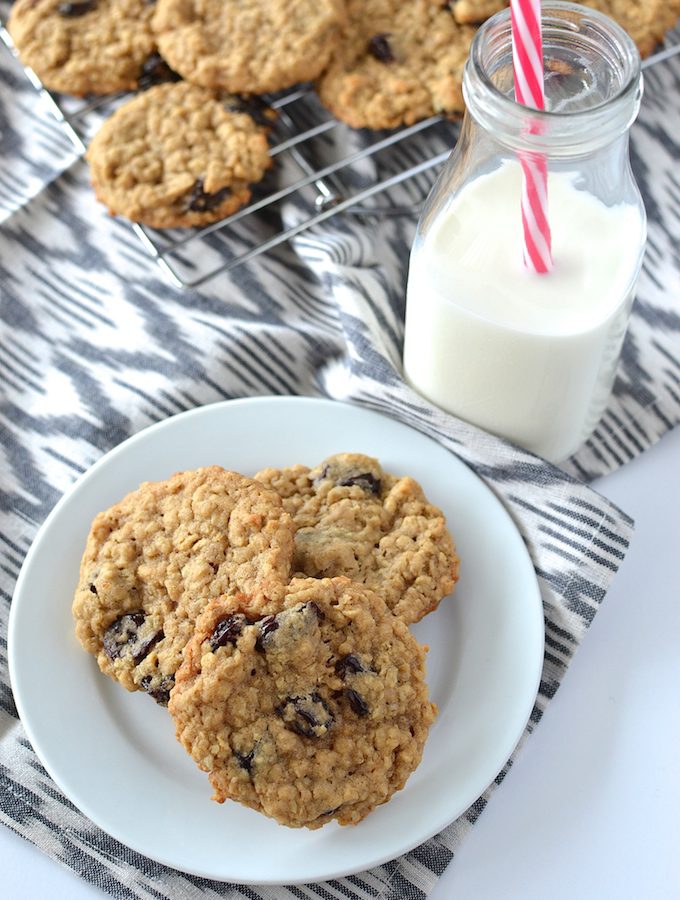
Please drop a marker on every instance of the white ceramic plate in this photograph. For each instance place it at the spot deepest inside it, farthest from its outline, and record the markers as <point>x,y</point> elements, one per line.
<point>114,754</point>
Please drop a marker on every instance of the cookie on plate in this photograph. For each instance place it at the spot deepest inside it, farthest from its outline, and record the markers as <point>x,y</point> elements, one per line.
<point>320,712</point>
<point>356,520</point>
<point>155,559</point>
<point>396,63</point>
<point>84,46</point>
<point>248,46</point>
<point>178,155</point>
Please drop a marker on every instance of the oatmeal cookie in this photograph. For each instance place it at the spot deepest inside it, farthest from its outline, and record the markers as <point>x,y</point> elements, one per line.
<point>646,22</point>
<point>84,46</point>
<point>469,12</point>
<point>248,46</point>
<point>317,713</point>
<point>396,63</point>
<point>178,155</point>
<point>356,520</point>
<point>154,560</point>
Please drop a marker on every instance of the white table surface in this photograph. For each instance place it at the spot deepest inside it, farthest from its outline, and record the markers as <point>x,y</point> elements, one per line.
<point>591,808</point>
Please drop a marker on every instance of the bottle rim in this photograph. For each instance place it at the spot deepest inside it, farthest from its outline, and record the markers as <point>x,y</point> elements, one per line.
<point>523,126</point>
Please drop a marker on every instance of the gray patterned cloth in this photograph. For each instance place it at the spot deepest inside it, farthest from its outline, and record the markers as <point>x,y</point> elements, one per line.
<point>95,345</point>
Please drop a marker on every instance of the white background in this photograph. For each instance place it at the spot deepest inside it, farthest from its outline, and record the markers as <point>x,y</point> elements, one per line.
<point>591,808</point>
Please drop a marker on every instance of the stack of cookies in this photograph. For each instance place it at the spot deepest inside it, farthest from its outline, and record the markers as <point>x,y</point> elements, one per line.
<point>271,616</point>
<point>185,154</point>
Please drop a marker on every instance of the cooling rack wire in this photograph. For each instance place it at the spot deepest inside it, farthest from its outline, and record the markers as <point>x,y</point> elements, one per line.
<point>322,168</point>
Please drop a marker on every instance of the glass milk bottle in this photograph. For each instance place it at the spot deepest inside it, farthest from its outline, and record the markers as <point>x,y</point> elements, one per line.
<point>526,356</point>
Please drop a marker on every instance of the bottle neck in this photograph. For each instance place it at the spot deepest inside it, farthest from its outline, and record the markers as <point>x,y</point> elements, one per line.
<point>593,84</point>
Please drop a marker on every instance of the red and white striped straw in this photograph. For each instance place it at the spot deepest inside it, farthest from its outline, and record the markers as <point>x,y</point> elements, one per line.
<point>527,58</point>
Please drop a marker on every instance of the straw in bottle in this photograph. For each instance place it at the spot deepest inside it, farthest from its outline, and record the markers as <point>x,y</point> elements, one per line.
<point>527,53</point>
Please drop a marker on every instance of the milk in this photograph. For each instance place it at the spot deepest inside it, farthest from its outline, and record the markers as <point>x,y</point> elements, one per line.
<point>529,357</point>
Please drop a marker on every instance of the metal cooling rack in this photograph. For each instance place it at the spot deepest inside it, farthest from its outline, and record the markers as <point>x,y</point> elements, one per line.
<point>310,178</point>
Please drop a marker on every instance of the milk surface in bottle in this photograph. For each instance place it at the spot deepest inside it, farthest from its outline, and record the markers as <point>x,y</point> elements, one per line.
<point>529,357</point>
<point>532,357</point>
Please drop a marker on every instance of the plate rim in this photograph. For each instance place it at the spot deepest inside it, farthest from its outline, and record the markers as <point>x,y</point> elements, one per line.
<point>346,870</point>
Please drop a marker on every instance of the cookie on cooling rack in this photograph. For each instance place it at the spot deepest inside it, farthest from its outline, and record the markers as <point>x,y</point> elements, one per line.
<point>646,22</point>
<point>248,46</point>
<point>154,560</point>
<point>84,46</point>
<point>356,520</point>
<point>319,712</point>
<point>396,63</point>
<point>178,155</point>
<point>470,12</point>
